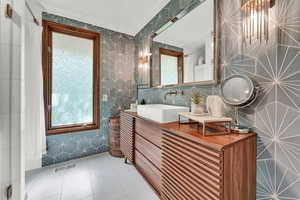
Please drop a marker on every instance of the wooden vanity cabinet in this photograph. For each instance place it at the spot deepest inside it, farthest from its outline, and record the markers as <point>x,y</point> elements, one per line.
<point>196,170</point>
<point>180,164</point>
<point>148,154</point>
<point>141,142</point>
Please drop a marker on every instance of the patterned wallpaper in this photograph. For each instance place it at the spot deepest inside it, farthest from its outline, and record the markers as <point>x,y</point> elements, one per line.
<point>275,116</point>
<point>117,82</point>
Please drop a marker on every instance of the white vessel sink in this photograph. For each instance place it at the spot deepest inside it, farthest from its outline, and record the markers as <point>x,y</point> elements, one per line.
<point>161,113</point>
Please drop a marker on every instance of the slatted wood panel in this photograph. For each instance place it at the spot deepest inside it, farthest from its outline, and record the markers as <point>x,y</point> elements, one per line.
<point>149,130</point>
<point>127,136</point>
<point>240,160</point>
<point>190,171</point>
<point>114,137</point>
<point>149,171</point>
<point>149,150</point>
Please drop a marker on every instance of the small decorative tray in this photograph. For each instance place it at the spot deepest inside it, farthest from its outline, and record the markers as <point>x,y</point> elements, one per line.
<point>210,125</point>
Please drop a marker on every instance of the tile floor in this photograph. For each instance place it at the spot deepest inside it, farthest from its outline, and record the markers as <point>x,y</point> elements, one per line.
<point>99,177</point>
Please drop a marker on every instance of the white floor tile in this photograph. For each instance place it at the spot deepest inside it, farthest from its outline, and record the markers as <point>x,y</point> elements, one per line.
<point>100,177</point>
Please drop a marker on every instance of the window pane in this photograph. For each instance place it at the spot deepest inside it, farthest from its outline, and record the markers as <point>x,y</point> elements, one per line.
<point>72,80</point>
<point>169,70</point>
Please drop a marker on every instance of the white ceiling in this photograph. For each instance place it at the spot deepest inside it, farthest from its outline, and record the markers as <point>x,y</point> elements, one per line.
<point>126,16</point>
<point>192,30</point>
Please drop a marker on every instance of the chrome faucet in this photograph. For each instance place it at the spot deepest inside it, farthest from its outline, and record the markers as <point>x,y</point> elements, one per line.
<point>173,92</point>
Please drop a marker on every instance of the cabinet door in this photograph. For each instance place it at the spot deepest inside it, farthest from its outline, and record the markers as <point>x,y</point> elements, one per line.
<point>149,150</point>
<point>190,170</point>
<point>240,170</point>
<point>127,136</point>
<point>148,170</point>
<point>149,131</point>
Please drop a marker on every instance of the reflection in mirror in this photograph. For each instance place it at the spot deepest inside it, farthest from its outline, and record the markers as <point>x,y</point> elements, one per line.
<point>191,36</point>
<point>169,73</point>
<point>170,65</point>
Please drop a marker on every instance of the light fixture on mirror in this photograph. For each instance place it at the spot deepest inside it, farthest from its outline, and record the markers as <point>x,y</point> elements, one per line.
<point>164,27</point>
<point>256,19</point>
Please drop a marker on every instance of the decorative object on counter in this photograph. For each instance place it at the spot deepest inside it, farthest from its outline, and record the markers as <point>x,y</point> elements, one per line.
<point>133,107</point>
<point>215,106</point>
<point>114,137</point>
<point>239,91</point>
<point>210,125</point>
<point>243,129</point>
<point>197,103</point>
<point>143,102</point>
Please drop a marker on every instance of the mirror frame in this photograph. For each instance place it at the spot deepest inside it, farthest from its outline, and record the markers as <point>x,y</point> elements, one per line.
<point>216,38</point>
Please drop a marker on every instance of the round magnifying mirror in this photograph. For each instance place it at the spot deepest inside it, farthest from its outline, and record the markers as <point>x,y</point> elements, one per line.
<point>237,90</point>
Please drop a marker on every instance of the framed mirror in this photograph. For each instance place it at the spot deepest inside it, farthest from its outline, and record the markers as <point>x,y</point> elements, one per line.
<point>184,50</point>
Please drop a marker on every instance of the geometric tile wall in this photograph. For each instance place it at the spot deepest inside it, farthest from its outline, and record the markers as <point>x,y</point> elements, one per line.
<point>117,82</point>
<point>275,116</point>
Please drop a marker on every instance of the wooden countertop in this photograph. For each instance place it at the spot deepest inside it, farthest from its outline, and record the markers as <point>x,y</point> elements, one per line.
<point>190,131</point>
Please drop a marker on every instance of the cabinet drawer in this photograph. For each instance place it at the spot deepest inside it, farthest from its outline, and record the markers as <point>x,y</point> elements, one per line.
<point>149,150</point>
<point>149,131</point>
<point>148,170</point>
<point>190,170</point>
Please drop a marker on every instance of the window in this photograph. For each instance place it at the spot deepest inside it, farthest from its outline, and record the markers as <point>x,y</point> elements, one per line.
<point>171,66</point>
<point>71,74</point>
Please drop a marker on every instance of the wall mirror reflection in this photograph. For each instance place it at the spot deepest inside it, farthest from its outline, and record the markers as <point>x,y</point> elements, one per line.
<point>184,49</point>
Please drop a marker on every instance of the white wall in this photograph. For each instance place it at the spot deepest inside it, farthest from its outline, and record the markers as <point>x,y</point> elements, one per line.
<point>33,118</point>
<point>11,167</point>
<point>191,60</point>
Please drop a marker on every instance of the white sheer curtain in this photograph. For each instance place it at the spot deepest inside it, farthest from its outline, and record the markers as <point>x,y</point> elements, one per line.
<point>34,126</point>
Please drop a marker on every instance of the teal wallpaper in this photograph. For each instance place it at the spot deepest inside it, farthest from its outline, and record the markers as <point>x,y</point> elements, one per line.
<point>117,82</point>
<point>275,65</point>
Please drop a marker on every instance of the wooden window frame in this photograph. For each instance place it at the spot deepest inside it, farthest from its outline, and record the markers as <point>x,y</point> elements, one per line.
<point>48,28</point>
<point>180,67</point>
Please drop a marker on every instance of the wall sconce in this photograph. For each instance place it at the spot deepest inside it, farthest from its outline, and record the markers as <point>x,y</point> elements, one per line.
<point>8,11</point>
<point>145,58</point>
<point>256,18</point>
